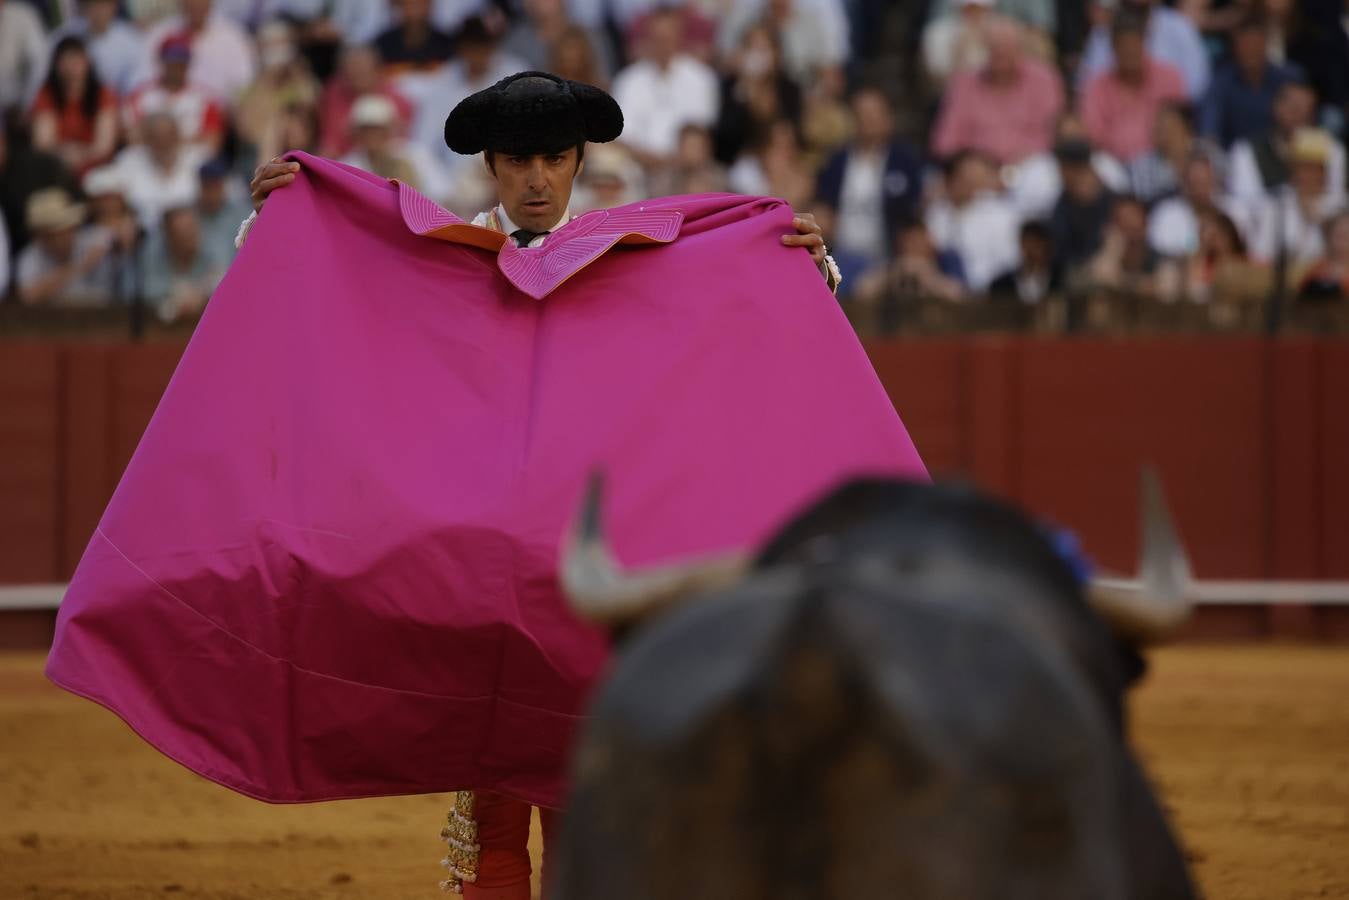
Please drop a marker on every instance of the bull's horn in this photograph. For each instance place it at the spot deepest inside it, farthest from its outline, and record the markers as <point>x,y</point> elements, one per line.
<point>1155,604</point>
<point>599,590</point>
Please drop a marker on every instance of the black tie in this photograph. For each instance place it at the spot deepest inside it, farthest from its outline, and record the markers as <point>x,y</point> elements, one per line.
<point>523,237</point>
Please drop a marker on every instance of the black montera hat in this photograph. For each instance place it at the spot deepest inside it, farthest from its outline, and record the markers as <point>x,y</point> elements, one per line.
<point>532,112</point>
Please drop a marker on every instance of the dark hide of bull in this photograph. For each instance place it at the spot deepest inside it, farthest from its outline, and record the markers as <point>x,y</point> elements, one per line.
<point>909,698</point>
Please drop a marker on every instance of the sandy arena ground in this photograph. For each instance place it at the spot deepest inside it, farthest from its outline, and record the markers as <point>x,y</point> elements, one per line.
<point>1250,746</point>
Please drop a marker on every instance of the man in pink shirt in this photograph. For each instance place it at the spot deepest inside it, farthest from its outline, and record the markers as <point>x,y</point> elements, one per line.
<point>1005,110</point>
<point>1120,105</point>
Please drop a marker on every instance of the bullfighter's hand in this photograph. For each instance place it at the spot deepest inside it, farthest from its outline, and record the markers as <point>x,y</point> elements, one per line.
<point>269,177</point>
<point>808,234</point>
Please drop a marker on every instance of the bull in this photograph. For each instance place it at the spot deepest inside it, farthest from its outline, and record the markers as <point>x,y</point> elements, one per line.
<point>908,692</point>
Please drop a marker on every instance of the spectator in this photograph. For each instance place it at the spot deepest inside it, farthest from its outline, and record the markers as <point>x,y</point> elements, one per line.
<point>24,170</point>
<point>179,272</point>
<point>1240,101</point>
<point>957,43</point>
<point>1157,173</point>
<point>775,169</point>
<point>479,64</point>
<point>813,35</point>
<point>1125,262</point>
<point>1039,18</point>
<point>283,81</point>
<point>1007,109</point>
<point>538,36</point>
<point>755,95</point>
<point>575,56</point>
<point>974,220</point>
<point>1328,278</point>
<point>663,91</point>
<point>611,178</point>
<point>221,206</point>
<point>1035,184</point>
<point>695,170</point>
<point>1260,165</point>
<point>74,115</point>
<point>160,173</point>
<point>414,44</point>
<point>1287,225</point>
<point>870,188</point>
<point>65,265</point>
<point>1173,226</point>
<point>1120,105</point>
<point>376,148</point>
<point>112,218</point>
<point>358,73</point>
<point>1078,222</point>
<point>23,55</point>
<point>223,59</point>
<point>200,119</point>
<point>1036,277</point>
<point>296,128</point>
<point>117,49</point>
<point>1171,38</point>
<point>1219,273</point>
<point>919,271</point>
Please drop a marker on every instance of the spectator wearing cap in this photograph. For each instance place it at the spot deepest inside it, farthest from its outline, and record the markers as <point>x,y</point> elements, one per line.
<point>1007,109</point>
<point>111,216</point>
<point>358,74</point>
<point>1120,105</point>
<point>178,271</point>
<point>413,44</point>
<point>377,148</point>
<point>870,188</point>
<point>1287,224</point>
<point>200,119</point>
<point>74,115</point>
<point>117,49</point>
<point>1240,101</point>
<point>813,35</point>
<point>283,81</point>
<point>479,63</point>
<point>537,36</point>
<point>24,170</point>
<point>1260,167</point>
<point>221,206</point>
<point>1079,218</point>
<point>973,219</point>
<point>1173,224</point>
<point>754,95</point>
<point>65,264</point>
<point>1171,38</point>
<point>663,91</point>
<point>223,59</point>
<point>161,172</point>
<point>23,55</point>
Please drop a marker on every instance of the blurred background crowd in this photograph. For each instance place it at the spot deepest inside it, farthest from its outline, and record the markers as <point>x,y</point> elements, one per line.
<point>1030,164</point>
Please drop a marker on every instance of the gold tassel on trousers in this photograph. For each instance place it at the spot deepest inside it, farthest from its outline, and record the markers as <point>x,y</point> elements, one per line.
<point>461,836</point>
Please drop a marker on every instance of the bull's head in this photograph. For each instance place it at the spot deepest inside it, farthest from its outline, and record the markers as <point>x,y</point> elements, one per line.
<point>1145,609</point>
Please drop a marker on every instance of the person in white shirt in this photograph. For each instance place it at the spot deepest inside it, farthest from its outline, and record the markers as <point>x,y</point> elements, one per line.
<point>223,57</point>
<point>121,56</point>
<point>975,220</point>
<point>1173,224</point>
<point>160,173</point>
<point>664,91</point>
<point>23,54</point>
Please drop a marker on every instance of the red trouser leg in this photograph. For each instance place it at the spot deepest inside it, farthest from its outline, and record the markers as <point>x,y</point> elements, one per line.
<point>503,861</point>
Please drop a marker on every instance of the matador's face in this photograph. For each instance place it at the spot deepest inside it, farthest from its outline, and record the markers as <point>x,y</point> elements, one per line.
<point>535,189</point>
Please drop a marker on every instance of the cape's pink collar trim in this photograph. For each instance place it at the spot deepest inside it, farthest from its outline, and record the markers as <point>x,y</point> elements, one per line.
<point>538,271</point>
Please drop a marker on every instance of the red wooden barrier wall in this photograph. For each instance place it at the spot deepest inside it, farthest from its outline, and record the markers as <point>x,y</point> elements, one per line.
<point>1251,437</point>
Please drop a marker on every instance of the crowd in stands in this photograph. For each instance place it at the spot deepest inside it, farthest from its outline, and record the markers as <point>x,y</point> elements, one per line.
<point>971,153</point>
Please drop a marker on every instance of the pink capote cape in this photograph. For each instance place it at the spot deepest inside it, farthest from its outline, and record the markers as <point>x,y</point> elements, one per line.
<point>329,569</point>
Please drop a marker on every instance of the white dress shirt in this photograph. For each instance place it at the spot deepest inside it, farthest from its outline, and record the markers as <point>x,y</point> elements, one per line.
<point>985,233</point>
<point>483,220</point>
<point>657,102</point>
